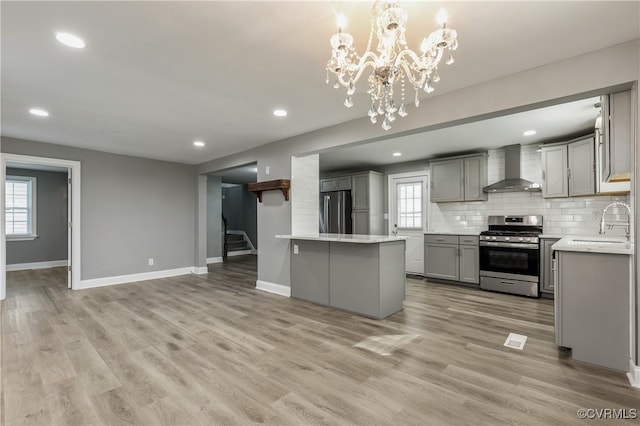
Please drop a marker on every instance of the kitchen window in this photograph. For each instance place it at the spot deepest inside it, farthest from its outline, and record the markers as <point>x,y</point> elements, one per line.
<point>409,205</point>
<point>20,208</point>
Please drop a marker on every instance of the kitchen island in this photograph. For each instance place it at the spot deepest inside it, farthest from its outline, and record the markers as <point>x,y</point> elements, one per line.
<point>364,274</point>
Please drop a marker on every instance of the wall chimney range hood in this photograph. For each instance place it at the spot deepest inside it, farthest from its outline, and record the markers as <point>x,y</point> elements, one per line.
<point>512,181</point>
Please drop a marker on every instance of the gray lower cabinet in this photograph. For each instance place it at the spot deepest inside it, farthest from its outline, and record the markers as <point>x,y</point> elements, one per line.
<point>311,271</point>
<point>452,258</point>
<point>592,307</point>
<point>469,262</point>
<point>546,266</point>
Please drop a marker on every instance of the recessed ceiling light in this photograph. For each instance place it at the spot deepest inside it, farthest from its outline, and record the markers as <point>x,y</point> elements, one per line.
<point>280,112</point>
<point>39,112</point>
<point>529,133</point>
<point>70,40</point>
<point>397,154</point>
<point>199,144</point>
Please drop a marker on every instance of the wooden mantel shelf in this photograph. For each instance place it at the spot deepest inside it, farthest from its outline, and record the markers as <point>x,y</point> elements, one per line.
<point>270,185</point>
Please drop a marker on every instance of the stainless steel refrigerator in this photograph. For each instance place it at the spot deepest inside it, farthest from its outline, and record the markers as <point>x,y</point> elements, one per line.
<point>335,212</point>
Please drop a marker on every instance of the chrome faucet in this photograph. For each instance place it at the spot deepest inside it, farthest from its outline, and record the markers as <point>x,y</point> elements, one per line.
<point>627,225</point>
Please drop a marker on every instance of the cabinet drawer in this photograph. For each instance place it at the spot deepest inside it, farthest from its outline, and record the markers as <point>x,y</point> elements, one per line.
<point>440,239</point>
<point>469,239</point>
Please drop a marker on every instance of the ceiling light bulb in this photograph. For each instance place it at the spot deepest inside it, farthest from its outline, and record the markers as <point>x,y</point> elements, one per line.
<point>529,133</point>
<point>280,112</point>
<point>70,40</point>
<point>441,17</point>
<point>39,112</point>
<point>199,144</point>
<point>341,21</point>
<point>397,154</point>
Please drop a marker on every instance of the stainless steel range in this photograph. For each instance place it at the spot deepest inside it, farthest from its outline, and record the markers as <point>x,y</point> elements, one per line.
<point>510,255</point>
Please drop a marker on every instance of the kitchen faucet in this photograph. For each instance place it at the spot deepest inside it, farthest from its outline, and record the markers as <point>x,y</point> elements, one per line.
<point>627,225</point>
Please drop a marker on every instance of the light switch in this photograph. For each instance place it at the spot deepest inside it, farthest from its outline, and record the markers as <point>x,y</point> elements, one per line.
<point>295,249</point>
<point>267,170</point>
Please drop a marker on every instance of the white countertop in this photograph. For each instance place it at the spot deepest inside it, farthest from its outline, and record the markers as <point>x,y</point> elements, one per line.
<point>345,238</point>
<point>594,244</point>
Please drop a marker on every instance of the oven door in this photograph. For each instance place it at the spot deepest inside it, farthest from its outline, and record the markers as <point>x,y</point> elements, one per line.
<point>510,260</point>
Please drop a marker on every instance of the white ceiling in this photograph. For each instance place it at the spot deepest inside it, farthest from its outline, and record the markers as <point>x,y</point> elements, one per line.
<point>156,76</point>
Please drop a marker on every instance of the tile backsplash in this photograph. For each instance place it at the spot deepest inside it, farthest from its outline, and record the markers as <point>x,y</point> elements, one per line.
<point>564,216</point>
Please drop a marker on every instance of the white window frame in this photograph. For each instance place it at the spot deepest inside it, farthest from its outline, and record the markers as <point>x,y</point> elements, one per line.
<point>398,204</point>
<point>33,234</point>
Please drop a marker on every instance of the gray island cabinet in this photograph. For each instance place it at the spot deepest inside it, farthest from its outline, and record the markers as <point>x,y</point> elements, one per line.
<point>364,274</point>
<point>592,306</point>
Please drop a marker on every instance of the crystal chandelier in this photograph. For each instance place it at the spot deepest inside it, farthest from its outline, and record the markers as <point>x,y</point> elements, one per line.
<point>392,62</point>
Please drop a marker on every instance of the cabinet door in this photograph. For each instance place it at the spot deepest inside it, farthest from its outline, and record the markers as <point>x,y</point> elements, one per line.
<point>617,135</point>
<point>360,192</point>
<point>554,172</point>
<point>441,261</point>
<point>447,178</point>
<point>475,178</point>
<point>360,222</point>
<point>547,278</point>
<point>310,271</point>
<point>469,264</point>
<point>582,170</point>
<point>327,185</point>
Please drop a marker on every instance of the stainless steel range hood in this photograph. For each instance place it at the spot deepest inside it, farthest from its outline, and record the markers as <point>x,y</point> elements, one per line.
<point>512,181</point>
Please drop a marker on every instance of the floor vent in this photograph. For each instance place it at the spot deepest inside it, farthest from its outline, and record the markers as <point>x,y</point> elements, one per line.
<point>515,341</point>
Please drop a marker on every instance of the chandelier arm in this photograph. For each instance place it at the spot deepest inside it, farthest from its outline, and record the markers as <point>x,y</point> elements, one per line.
<point>415,81</point>
<point>367,60</point>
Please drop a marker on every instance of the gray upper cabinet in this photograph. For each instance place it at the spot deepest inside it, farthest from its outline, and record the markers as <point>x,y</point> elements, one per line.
<point>335,184</point>
<point>360,192</point>
<point>582,170</point>
<point>459,178</point>
<point>554,172</point>
<point>367,204</point>
<point>616,135</point>
<point>568,168</point>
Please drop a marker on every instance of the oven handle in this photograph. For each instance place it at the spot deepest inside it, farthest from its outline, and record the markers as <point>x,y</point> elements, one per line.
<point>508,245</point>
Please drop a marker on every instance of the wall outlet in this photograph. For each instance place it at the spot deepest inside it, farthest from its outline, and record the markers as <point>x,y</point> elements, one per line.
<point>267,170</point>
<point>385,216</point>
<point>295,249</point>
<point>151,261</point>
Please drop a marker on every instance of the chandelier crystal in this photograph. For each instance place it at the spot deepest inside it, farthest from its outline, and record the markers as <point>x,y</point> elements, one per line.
<point>392,61</point>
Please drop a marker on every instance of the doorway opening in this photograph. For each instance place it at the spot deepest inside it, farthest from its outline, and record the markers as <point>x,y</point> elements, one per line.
<point>40,227</point>
<point>232,225</point>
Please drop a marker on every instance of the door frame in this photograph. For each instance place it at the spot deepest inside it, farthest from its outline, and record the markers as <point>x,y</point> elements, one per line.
<point>426,217</point>
<point>75,242</point>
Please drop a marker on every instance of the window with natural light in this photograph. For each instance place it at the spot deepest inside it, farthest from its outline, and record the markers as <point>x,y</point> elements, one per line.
<point>20,207</point>
<point>409,205</point>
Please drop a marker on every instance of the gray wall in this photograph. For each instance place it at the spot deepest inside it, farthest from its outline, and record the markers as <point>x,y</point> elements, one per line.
<point>132,209</point>
<point>51,220</point>
<point>214,216</point>
<point>239,206</point>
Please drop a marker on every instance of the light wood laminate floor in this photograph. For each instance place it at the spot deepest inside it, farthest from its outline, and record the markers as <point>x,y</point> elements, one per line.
<point>212,349</point>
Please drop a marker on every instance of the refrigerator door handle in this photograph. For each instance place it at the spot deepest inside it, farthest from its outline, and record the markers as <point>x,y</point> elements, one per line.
<point>340,213</point>
<point>326,213</point>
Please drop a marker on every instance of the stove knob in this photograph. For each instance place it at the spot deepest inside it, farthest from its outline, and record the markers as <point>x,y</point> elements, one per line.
<point>521,239</point>
<point>506,238</point>
<point>494,238</point>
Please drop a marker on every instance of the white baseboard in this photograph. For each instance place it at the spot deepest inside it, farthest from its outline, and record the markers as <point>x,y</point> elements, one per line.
<point>634,375</point>
<point>200,270</point>
<point>239,252</point>
<point>36,265</point>
<point>278,289</point>
<point>123,279</point>
<point>214,260</point>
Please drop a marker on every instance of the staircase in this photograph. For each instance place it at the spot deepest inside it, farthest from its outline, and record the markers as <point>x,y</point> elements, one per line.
<point>236,242</point>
